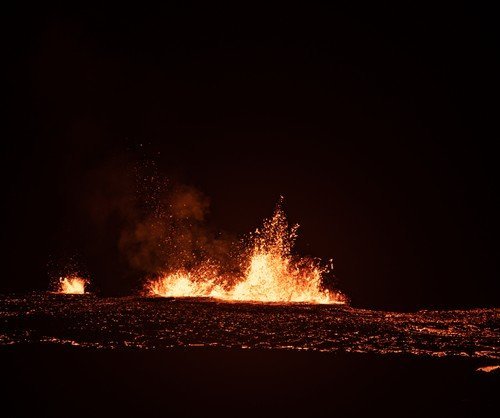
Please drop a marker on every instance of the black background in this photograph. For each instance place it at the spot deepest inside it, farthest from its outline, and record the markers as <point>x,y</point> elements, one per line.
<point>376,124</point>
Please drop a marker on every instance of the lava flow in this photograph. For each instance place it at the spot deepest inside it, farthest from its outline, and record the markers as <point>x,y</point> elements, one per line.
<point>72,285</point>
<point>270,273</point>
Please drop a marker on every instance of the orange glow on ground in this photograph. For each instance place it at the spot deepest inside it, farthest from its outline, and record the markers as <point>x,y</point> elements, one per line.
<point>488,369</point>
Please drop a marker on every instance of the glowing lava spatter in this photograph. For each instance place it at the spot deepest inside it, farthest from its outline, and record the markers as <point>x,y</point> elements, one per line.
<point>270,273</point>
<point>273,275</point>
<point>183,283</point>
<point>72,285</point>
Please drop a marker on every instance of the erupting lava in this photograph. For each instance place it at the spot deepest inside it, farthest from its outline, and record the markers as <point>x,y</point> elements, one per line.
<point>269,273</point>
<point>72,285</point>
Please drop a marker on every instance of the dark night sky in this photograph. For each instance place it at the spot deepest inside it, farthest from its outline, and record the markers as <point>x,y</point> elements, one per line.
<point>376,125</point>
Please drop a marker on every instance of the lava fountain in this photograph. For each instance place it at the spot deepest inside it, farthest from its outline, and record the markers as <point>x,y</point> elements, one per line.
<point>73,285</point>
<point>270,273</point>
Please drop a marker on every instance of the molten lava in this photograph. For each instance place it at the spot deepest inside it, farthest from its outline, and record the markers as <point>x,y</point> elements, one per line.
<point>72,285</point>
<point>186,284</point>
<point>269,273</point>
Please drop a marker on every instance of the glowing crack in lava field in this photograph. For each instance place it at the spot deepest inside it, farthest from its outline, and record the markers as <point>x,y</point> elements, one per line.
<point>165,323</point>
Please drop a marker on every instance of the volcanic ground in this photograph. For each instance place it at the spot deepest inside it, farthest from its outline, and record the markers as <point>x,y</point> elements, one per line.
<point>152,323</point>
